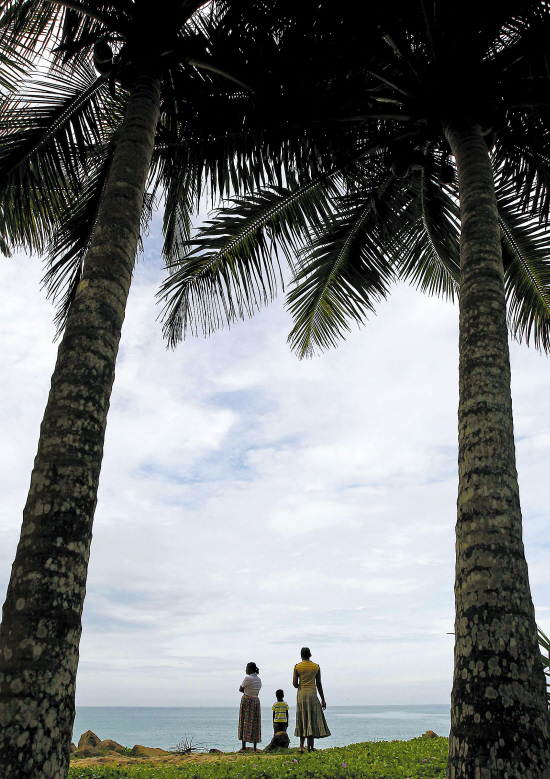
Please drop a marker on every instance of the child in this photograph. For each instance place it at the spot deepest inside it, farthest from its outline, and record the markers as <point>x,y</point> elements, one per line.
<point>280,713</point>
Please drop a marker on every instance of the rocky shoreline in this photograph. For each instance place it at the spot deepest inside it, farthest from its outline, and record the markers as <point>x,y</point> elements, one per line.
<point>90,745</point>
<point>92,750</point>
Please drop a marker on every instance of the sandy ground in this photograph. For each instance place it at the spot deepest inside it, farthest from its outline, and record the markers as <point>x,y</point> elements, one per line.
<point>116,759</point>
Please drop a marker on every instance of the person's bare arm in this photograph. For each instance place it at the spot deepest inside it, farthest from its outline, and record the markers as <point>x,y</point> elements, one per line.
<point>295,682</point>
<point>320,688</point>
<point>241,688</point>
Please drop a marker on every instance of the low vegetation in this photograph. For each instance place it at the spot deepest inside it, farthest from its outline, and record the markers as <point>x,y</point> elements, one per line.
<point>419,758</point>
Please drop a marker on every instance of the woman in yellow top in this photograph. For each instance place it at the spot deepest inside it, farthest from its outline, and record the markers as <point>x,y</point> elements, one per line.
<point>310,720</point>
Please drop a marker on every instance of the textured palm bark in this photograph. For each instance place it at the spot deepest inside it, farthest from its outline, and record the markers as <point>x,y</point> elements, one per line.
<point>41,624</point>
<point>499,719</point>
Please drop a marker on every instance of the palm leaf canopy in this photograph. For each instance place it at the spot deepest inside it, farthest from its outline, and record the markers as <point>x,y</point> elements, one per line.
<point>59,129</point>
<point>373,103</point>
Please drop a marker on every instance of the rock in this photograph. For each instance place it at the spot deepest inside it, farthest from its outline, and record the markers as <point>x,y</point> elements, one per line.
<point>88,740</point>
<point>279,741</point>
<point>215,751</point>
<point>111,746</point>
<point>140,751</point>
<point>91,745</point>
<point>430,734</point>
<point>85,753</point>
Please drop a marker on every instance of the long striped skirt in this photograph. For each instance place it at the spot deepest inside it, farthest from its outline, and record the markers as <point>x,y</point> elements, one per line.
<point>310,718</point>
<point>250,720</point>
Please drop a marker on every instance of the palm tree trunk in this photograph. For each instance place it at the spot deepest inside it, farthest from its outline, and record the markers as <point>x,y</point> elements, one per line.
<point>41,625</point>
<point>499,719</point>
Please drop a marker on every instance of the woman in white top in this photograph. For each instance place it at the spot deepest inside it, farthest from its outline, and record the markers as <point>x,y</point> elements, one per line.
<point>250,716</point>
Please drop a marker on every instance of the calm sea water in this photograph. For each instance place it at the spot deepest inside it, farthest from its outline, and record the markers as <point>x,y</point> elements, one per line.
<point>217,727</point>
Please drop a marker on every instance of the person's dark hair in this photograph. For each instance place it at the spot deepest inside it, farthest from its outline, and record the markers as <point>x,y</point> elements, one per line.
<point>252,668</point>
<point>305,652</point>
<point>279,694</point>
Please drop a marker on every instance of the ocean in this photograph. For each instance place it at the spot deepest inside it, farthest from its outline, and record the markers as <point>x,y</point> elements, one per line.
<point>216,727</point>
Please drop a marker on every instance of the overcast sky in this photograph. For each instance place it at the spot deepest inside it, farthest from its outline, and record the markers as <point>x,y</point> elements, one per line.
<point>251,503</point>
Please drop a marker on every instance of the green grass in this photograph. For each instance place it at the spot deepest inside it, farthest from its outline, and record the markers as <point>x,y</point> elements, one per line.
<point>420,758</point>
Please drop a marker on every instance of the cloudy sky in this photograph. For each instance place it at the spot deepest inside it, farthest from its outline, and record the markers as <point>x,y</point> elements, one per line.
<point>251,503</point>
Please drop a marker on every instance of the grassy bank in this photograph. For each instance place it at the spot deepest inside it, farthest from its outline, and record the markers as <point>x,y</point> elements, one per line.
<point>420,758</point>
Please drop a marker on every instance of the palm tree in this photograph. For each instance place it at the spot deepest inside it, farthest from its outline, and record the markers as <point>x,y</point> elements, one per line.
<point>78,148</point>
<point>428,91</point>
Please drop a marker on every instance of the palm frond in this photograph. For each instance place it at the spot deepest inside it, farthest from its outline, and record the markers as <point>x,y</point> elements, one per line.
<point>30,26</point>
<point>526,258</point>
<point>181,202</point>
<point>71,241</point>
<point>244,156</point>
<point>345,270</point>
<point>72,238</point>
<point>46,131</point>
<point>427,249</point>
<point>86,23</point>
<point>37,26</point>
<point>233,268</point>
<point>521,156</point>
<point>13,66</point>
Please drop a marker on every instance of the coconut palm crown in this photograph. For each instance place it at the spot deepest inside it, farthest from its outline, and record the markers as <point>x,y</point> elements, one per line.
<point>443,179</point>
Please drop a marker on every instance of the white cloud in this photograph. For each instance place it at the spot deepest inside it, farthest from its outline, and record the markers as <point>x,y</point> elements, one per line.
<point>312,517</point>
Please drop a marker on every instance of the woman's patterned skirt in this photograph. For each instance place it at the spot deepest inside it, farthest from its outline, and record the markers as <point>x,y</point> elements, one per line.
<point>310,718</point>
<point>250,720</point>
